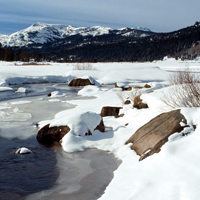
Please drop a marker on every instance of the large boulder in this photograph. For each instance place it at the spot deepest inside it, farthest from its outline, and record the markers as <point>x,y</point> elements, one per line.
<point>78,125</point>
<point>49,135</point>
<point>110,111</point>
<point>148,139</point>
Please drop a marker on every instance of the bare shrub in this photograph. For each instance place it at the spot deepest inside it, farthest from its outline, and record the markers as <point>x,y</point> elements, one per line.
<point>185,91</point>
<point>83,66</point>
<point>127,95</point>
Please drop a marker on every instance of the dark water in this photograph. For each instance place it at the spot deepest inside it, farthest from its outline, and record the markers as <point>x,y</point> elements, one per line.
<point>21,175</point>
<point>47,173</point>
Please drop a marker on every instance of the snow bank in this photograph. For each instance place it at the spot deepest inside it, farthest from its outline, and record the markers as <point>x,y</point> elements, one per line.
<point>173,173</point>
<point>2,89</point>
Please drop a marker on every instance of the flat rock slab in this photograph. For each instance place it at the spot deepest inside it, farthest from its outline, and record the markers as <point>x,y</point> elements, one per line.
<point>148,139</point>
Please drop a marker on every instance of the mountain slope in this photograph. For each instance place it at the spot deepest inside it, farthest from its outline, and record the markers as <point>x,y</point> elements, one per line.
<point>40,33</point>
<point>183,44</point>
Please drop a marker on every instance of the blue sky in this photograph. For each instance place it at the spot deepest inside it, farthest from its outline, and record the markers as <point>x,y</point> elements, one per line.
<point>157,15</point>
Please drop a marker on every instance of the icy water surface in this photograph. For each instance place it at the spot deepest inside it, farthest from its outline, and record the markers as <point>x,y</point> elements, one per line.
<point>49,172</point>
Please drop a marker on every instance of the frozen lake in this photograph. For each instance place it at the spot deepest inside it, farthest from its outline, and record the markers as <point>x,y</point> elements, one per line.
<point>49,172</point>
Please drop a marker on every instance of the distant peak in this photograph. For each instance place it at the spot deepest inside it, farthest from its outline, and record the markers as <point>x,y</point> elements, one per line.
<point>38,24</point>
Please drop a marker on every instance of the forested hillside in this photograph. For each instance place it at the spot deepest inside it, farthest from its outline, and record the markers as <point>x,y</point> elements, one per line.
<point>112,47</point>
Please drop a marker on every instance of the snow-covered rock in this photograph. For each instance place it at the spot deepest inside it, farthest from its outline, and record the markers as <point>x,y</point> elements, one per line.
<point>23,150</point>
<point>21,90</point>
<point>56,94</point>
<point>83,81</point>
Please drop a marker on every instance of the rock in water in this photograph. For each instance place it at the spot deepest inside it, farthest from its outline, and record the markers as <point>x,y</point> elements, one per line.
<point>23,150</point>
<point>21,90</point>
<point>148,139</point>
<point>80,125</point>
<point>49,135</point>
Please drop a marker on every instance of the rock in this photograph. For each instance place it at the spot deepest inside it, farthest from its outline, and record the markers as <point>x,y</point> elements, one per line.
<point>56,94</point>
<point>81,125</point>
<point>110,111</point>
<point>123,87</point>
<point>116,86</point>
<point>126,88</point>
<point>49,135</point>
<point>147,86</point>
<point>148,139</point>
<point>80,82</point>
<point>83,82</point>
<point>137,103</point>
<point>21,90</point>
<point>127,102</point>
<point>100,127</point>
<point>23,150</point>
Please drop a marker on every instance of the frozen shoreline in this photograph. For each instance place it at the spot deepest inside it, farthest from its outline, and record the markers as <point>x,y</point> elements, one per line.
<point>171,172</point>
<point>83,175</point>
<point>86,173</point>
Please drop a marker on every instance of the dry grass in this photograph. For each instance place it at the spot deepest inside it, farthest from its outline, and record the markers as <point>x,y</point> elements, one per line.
<point>127,95</point>
<point>83,66</point>
<point>27,64</point>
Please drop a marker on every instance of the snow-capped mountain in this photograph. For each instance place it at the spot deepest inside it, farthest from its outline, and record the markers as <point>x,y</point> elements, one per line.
<point>40,33</point>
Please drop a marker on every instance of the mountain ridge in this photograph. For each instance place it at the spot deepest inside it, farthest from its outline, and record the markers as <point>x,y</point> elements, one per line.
<point>41,33</point>
<point>99,44</point>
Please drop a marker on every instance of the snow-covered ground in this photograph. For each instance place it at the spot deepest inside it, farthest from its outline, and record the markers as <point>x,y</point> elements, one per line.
<point>171,174</point>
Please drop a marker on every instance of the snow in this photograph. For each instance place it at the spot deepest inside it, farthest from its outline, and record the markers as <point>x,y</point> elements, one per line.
<point>5,88</point>
<point>173,173</point>
<point>23,150</point>
<point>21,90</point>
<point>20,102</point>
<point>56,94</point>
<point>40,33</point>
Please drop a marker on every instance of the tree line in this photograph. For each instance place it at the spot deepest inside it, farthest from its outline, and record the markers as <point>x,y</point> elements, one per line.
<point>10,54</point>
<point>184,44</point>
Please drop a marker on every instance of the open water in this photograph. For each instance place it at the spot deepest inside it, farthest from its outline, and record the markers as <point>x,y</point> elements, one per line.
<point>48,172</point>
